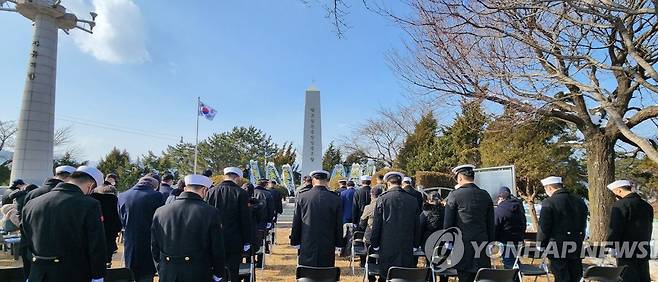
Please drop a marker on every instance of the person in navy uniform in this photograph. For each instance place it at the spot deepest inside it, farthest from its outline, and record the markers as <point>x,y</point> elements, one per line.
<point>136,209</point>
<point>233,205</point>
<point>64,231</point>
<point>307,184</point>
<point>631,220</point>
<point>470,209</point>
<point>361,199</point>
<point>407,185</point>
<point>347,197</point>
<point>395,228</point>
<point>262,194</point>
<point>317,226</point>
<point>563,219</point>
<point>277,198</point>
<point>187,241</point>
<point>342,186</point>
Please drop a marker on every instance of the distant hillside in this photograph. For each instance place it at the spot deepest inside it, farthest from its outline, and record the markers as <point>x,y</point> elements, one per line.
<point>5,155</point>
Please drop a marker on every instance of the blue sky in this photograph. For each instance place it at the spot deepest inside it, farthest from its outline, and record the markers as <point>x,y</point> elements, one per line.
<point>251,60</point>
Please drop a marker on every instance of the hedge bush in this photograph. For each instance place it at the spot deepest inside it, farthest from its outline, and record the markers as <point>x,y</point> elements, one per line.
<point>430,179</point>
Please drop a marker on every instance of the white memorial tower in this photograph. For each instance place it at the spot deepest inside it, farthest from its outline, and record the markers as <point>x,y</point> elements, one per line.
<point>33,153</point>
<point>312,150</point>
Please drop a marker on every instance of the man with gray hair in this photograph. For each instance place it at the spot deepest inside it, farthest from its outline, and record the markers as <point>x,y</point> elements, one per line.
<point>136,209</point>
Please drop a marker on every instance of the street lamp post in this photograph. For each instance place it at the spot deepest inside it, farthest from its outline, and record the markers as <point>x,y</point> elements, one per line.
<point>33,151</point>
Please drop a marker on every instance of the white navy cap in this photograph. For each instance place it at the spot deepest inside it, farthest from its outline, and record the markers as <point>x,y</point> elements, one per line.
<point>232,169</point>
<point>551,180</point>
<point>393,173</point>
<point>463,168</point>
<point>319,172</point>
<point>96,174</point>
<point>407,179</point>
<point>620,183</point>
<point>64,168</point>
<point>366,178</point>
<point>197,179</point>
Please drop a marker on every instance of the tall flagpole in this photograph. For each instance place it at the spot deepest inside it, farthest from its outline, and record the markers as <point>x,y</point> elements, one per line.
<point>196,145</point>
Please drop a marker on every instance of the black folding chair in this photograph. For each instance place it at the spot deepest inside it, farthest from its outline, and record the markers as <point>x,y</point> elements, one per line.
<point>317,274</point>
<point>119,275</point>
<point>358,248</point>
<point>603,273</point>
<point>496,275</point>
<point>372,266</point>
<point>532,269</point>
<point>11,274</point>
<point>404,274</point>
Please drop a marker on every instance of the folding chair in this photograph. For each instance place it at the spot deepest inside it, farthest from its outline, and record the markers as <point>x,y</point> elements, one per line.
<point>119,275</point>
<point>532,269</point>
<point>433,257</point>
<point>372,268</point>
<point>317,274</point>
<point>11,274</point>
<point>603,273</point>
<point>248,267</point>
<point>601,254</point>
<point>358,248</point>
<point>496,275</point>
<point>404,274</point>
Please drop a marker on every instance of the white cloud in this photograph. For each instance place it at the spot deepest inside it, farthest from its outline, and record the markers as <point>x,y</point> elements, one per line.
<point>120,33</point>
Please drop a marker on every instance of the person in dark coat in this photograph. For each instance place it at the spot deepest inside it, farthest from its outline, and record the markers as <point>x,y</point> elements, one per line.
<point>261,193</point>
<point>136,208</point>
<point>165,186</point>
<point>62,174</point>
<point>347,198</point>
<point>470,209</point>
<point>631,221</point>
<point>277,198</point>
<point>380,182</point>
<point>361,199</point>
<point>16,186</point>
<point>106,196</point>
<point>180,186</point>
<point>510,224</point>
<point>233,205</point>
<point>407,185</point>
<point>317,228</point>
<point>431,218</point>
<point>64,231</point>
<point>188,244</point>
<point>395,228</point>
<point>563,218</point>
<point>307,184</point>
<point>342,186</point>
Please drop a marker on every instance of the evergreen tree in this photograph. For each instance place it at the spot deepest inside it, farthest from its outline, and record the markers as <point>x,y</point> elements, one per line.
<point>285,155</point>
<point>355,157</point>
<point>467,132</point>
<point>118,162</point>
<point>331,157</point>
<point>68,159</point>
<point>416,152</point>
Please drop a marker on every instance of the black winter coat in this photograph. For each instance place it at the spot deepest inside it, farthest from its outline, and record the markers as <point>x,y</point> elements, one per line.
<point>395,228</point>
<point>631,221</point>
<point>563,217</point>
<point>233,205</point>
<point>111,220</point>
<point>470,209</point>
<point>187,228</point>
<point>264,195</point>
<point>45,188</point>
<point>431,220</point>
<point>510,221</point>
<point>65,225</point>
<point>361,200</point>
<point>317,227</point>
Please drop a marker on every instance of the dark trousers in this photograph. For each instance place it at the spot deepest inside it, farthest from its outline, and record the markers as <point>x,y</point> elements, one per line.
<point>567,270</point>
<point>26,256</point>
<point>465,276</point>
<point>233,261</point>
<point>637,270</point>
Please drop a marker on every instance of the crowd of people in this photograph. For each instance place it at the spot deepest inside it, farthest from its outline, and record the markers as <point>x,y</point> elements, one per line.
<point>190,231</point>
<point>197,231</point>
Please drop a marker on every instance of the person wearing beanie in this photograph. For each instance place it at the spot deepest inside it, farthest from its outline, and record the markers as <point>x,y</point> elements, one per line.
<point>510,224</point>
<point>136,208</point>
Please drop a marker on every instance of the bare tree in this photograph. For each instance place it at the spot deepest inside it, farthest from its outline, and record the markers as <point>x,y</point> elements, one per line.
<point>382,136</point>
<point>7,131</point>
<point>590,63</point>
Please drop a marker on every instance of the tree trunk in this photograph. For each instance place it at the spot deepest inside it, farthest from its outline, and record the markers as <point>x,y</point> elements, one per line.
<point>600,156</point>
<point>534,219</point>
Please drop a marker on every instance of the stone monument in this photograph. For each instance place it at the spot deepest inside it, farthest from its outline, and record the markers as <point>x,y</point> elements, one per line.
<point>312,149</point>
<point>33,153</point>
